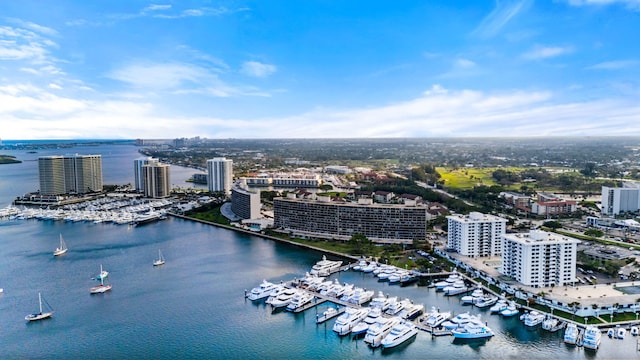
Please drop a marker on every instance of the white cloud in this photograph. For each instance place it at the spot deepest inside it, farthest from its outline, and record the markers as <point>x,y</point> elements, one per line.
<point>503,12</point>
<point>464,63</point>
<point>614,65</point>
<point>55,86</point>
<point>156,7</point>
<point>630,4</point>
<point>257,69</point>
<point>545,52</point>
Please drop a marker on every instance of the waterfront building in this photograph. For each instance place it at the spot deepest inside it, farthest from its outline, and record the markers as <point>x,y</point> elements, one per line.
<point>616,200</point>
<point>539,258</point>
<point>70,174</point>
<point>245,203</point>
<point>220,175</point>
<point>333,218</point>
<point>476,234</point>
<point>156,180</point>
<point>138,174</point>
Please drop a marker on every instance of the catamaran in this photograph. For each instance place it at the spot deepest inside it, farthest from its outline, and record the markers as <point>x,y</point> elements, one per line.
<point>61,249</point>
<point>42,314</point>
<point>160,260</point>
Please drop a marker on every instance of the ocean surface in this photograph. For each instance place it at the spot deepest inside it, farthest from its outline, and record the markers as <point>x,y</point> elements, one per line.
<point>194,305</point>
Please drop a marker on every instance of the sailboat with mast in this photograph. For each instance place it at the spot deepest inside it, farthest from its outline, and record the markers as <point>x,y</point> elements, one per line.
<point>160,260</point>
<point>100,288</point>
<point>42,314</point>
<point>62,248</point>
<point>103,273</point>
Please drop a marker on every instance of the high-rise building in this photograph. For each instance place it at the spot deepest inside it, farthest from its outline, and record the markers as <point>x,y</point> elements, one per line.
<point>220,175</point>
<point>539,258</point>
<point>138,174</point>
<point>156,180</point>
<point>616,200</point>
<point>70,174</point>
<point>476,234</point>
<point>245,203</point>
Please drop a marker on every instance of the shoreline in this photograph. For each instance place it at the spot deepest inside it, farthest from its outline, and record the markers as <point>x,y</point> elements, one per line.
<point>268,237</point>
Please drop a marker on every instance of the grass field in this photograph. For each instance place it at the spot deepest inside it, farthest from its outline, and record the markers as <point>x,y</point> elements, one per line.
<point>467,178</point>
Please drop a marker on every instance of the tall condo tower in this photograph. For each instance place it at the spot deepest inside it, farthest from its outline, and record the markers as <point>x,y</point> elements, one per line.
<point>156,180</point>
<point>138,172</point>
<point>79,174</point>
<point>220,174</point>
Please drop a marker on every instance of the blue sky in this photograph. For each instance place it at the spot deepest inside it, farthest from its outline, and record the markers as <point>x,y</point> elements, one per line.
<point>315,69</point>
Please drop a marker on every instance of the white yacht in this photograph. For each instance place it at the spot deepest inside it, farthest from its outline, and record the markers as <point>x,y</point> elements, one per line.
<point>591,337</point>
<point>435,318</point>
<point>458,287</point>
<point>363,326</point>
<point>477,293</point>
<point>532,318</point>
<point>361,296</point>
<point>440,285</point>
<point>620,333</point>
<point>456,321</point>
<point>274,293</point>
<point>345,322</point>
<point>400,333</point>
<point>380,301</point>
<point>380,329</point>
<point>498,306</point>
<point>410,310</point>
<point>550,323</point>
<point>395,306</point>
<point>473,329</point>
<point>299,300</point>
<point>485,300</point>
<point>262,291</point>
<point>571,334</point>
<point>284,298</point>
<point>332,289</point>
<point>511,310</point>
<point>325,267</point>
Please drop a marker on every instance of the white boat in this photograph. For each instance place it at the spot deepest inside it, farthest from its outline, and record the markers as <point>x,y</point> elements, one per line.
<point>571,334</point>
<point>473,329</point>
<point>100,288</point>
<point>60,249</point>
<point>380,329</point>
<point>485,300</point>
<point>160,260</point>
<point>363,326</point>
<point>274,293</point>
<point>41,314</point>
<point>262,291</point>
<point>345,322</point>
<point>435,317</point>
<point>400,333</point>
<point>103,274</point>
<point>477,293</point>
<point>620,333</point>
<point>325,267</point>
<point>456,288</point>
<point>361,296</point>
<point>370,267</point>
<point>395,306</point>
<point>591,337</point>
<point>532,318</point>
<point>550,323</point>
<point>498,306</point>
<point>360,265</point>
<point>511,310</point>
<point>380,301</point>
<point>457,321</point>
<point>611,333</point>
<point>327,314</point>
<point>284,298</point>
<point>453,277</point>
<point>634,329</point>
<point>410,310</point>
<point>299,300</point>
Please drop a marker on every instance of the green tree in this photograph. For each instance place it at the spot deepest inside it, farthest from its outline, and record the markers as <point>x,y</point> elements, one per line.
<point>552,224</point>
<point>361,244</point>
<point>594,233</point>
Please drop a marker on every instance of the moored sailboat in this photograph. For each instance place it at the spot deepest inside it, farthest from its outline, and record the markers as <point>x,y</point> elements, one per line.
<point>42,314</point>
<point>160,260</point>
<point>60,249</point>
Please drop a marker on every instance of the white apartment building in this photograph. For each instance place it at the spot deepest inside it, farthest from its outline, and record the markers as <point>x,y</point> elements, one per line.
<point>539,258</point>
<point>220,175</point>
<point>476,234</point>
<point>138,174</point>
<point>616,200</point>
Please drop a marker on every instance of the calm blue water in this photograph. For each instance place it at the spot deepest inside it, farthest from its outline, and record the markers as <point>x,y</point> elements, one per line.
<point>193,307</point>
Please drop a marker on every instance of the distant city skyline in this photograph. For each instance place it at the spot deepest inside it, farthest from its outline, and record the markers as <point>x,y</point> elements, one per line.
<point>317,69</point>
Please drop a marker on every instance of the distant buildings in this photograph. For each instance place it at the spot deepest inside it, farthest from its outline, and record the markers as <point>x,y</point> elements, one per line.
<point>550,204</point>
<point>70,174</point>
<point>476,234</point>
<point>245,203</point>
<point>220,175</point>
<point>616,200</point>
<point>285,180</point>
<point>539,258</point>
<point>333,218</point>
<point>156,180</point>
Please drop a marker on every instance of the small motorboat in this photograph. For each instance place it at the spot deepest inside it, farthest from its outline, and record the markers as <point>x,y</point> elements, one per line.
<point>634,331</point>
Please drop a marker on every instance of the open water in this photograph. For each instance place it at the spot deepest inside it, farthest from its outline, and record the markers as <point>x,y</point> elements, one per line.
<point>194,306</point>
